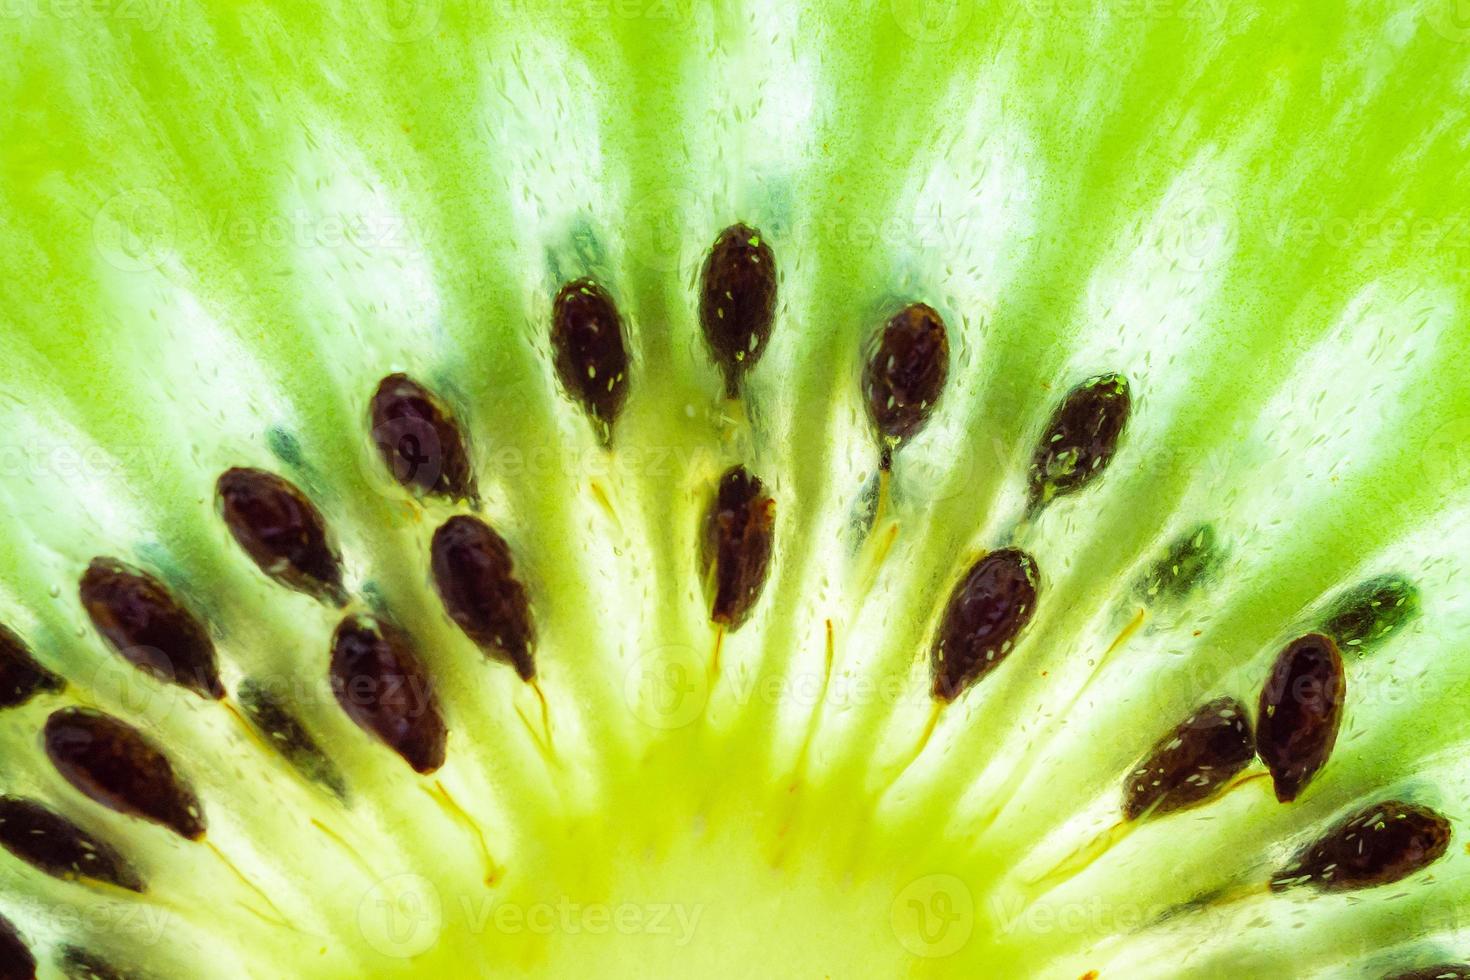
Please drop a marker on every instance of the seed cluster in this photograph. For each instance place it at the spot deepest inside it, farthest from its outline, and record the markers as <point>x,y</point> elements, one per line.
<point>1298,718</point>
<point>382,684</point>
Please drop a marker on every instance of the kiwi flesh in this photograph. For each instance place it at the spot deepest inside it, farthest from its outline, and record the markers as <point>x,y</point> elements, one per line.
<point>434,435</point>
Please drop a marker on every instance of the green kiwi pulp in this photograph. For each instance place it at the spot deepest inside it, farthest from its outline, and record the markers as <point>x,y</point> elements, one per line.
<point>661,489</point>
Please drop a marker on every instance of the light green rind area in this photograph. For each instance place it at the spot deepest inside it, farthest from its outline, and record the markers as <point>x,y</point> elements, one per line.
<point>223,226</point>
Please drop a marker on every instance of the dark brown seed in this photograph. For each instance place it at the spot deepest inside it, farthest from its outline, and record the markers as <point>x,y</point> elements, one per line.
<point>16,961</point>
<point>111,762</point>
<point>21,678</point>
<point>1369,613</point>
<point>906,372</point>
<point>1192,762</point>
<point>475,575</point>
<point>54,844</point>
<point>270,715</point>
<point>379,681</point>
<point>738,531</point>
<point>419,440</point>
<point>148,627</point>
<point>1378,845</point>
<point>587,336</point>
<point>1444,971</point>
<point>1081,437</point>
<point>987,611</point>
<point>281,531</point>
<point>737,301</point>
<point>1191,560</point>
<point>1299,713</point>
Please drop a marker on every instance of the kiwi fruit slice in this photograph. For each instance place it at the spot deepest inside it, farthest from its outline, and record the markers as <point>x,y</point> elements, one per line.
<point>668,489</point>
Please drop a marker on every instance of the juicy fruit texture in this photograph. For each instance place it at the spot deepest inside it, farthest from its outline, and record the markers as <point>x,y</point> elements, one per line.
<point>1202,293</point>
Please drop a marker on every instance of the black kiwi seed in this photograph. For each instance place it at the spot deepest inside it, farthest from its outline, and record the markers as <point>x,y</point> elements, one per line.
<point>48,841</point>
<point>1081,437</point>
<point>1378,845</point>
<point>475,576</point>
<point>737,301</point>
<point>1443,971</point>
<point>987,611</point>
<point>142,621</point>
<point>1192,762</point>
<point>114,764</point>
<point>16,961</point>
<point>419,440</point>
<point>21,678</point>
<point>905,373</point>
<point>270,715</point>
<point>281,531</point>
<point>1369,613</point>
<point>1190,559</point>
<point>591,361</point>
<point>738,532</point>
<point>1299,713</point>
<point>381,684</point>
